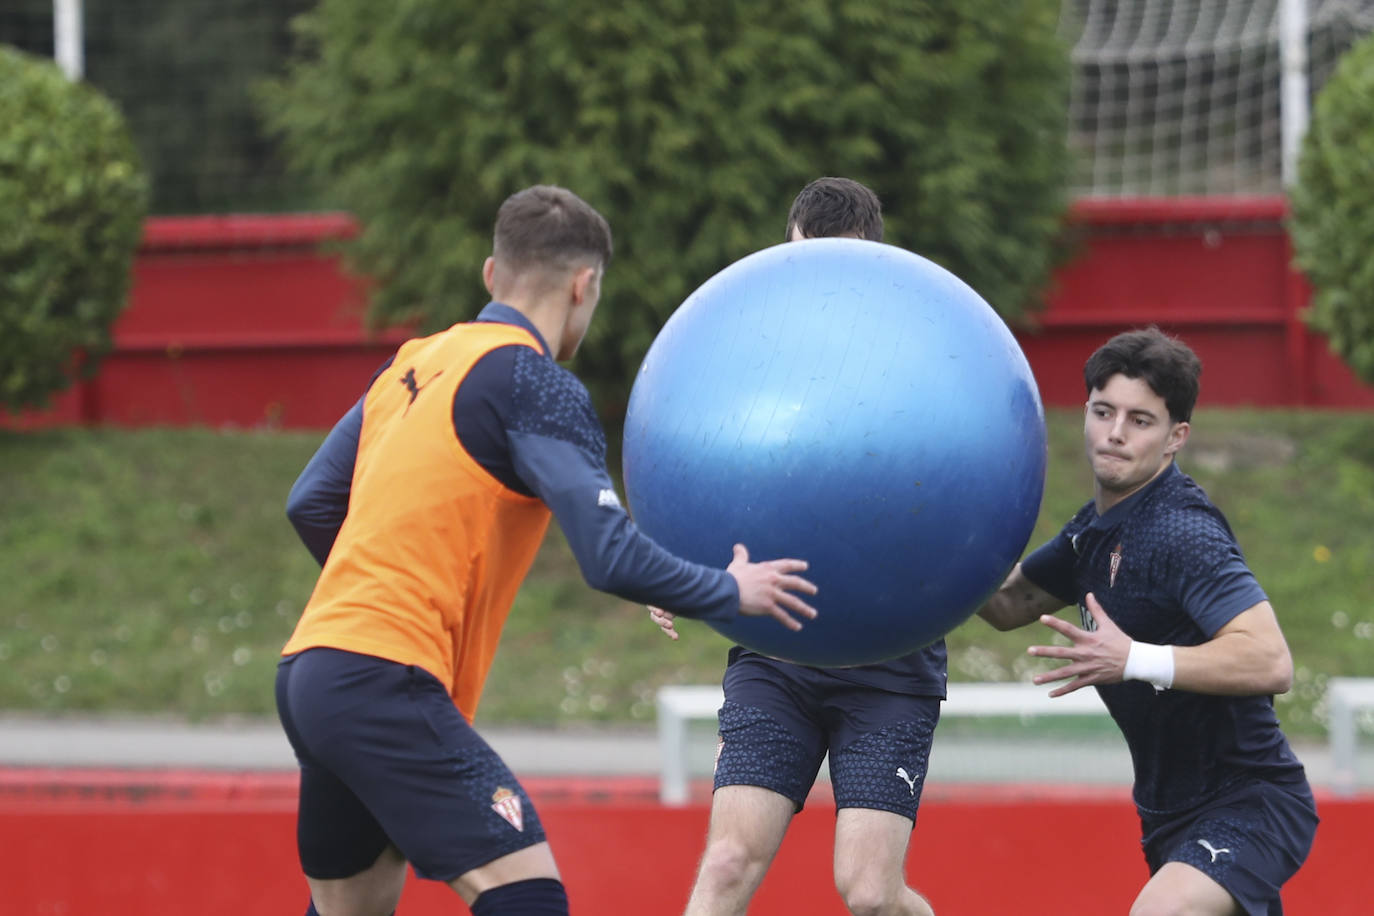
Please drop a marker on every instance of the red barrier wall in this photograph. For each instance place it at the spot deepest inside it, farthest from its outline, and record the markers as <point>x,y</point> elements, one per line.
<point>223,845</point>
<point>243,320</point>
<point>1216,271</point>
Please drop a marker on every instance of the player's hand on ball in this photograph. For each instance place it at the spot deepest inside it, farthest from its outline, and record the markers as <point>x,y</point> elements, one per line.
<point>664,619</point>
<point>772,589</point>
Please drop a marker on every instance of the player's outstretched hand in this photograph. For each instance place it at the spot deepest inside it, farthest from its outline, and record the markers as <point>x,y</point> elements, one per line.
<point>772,589</point>
<point>664,619</point>
<point>1097,656</point>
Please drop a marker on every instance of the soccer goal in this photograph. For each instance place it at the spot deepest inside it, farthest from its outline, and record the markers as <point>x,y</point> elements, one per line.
<point>1198,97</point>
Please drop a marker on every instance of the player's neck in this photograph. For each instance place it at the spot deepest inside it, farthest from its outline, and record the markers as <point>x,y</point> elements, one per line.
<point>1105,497</point>
<point>549,318</point>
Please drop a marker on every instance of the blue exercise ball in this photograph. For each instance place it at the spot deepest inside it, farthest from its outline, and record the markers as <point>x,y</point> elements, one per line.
<point>854,405</point>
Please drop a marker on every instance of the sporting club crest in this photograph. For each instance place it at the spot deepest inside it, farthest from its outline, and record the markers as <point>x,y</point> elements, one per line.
<point>507,804</point>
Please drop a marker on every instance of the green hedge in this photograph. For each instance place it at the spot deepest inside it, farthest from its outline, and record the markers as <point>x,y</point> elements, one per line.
<point>691,126</point>
<point>1333,210</point>
<point>73,197</point>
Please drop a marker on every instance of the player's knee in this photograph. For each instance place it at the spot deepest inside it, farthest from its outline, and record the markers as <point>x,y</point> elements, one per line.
<point>868,904</point>
<point>728,863</point>
<point>868,894</point>
<point>533,897</point>
<point>907,903</point>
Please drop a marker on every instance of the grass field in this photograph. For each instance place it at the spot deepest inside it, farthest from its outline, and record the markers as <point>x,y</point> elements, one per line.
<point>154,571</point>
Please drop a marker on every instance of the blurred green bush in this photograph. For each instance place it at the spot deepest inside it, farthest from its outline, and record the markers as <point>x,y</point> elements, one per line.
<point>691,126</point>
<point>1333,210</point>
<point>72,201</point>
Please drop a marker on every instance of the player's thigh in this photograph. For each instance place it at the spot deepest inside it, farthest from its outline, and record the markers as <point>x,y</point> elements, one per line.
<point>879,749</point>
<point>337,837</point>
<point>747,827</point>
<point>1182,889</point>
<point>771,735</point>
<point>441,795</point>
<point>522,865</point>
<point>1248,844</point>
<point>870,847</point>
<point>375,891</point>
<point>454,807</point>
<point>749,821</point>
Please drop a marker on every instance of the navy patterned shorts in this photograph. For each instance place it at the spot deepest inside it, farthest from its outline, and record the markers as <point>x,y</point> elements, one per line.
<point>386,758</point>
<point>1250,841</point>
<point>779,721</point>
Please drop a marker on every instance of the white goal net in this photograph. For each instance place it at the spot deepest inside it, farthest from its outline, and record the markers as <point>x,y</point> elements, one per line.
<point>1168,97</point>
<point>1183,97</point>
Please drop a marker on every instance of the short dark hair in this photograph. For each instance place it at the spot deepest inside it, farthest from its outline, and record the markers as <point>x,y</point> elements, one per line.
<point>829,207</point>
<point>549,226</point>
<point>1167,364</point>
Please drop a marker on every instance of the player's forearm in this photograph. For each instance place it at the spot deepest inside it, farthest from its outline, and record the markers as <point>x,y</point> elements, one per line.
<point>613,555</point>
<point>1004,614</point>
<point>1234,664</point>
<point>1018,602</point>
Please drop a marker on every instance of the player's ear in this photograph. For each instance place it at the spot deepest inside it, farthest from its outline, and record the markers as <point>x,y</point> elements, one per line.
<point>489,274</point>
<point>1177,436</point>
<point>584,285</point>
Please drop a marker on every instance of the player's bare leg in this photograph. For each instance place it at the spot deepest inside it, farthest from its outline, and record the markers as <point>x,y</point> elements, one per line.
<point>870,864</point>
<point>747,827</point>
<point>522,865</point>
<point>374,891</point>
<point>1180,888</point>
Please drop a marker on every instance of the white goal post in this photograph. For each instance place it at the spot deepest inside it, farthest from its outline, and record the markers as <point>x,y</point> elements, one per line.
<point>68,42</point>
<point>1347,699</point>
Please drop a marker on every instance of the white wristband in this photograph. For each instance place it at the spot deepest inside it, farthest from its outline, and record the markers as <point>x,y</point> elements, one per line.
<point>1148,662</point>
